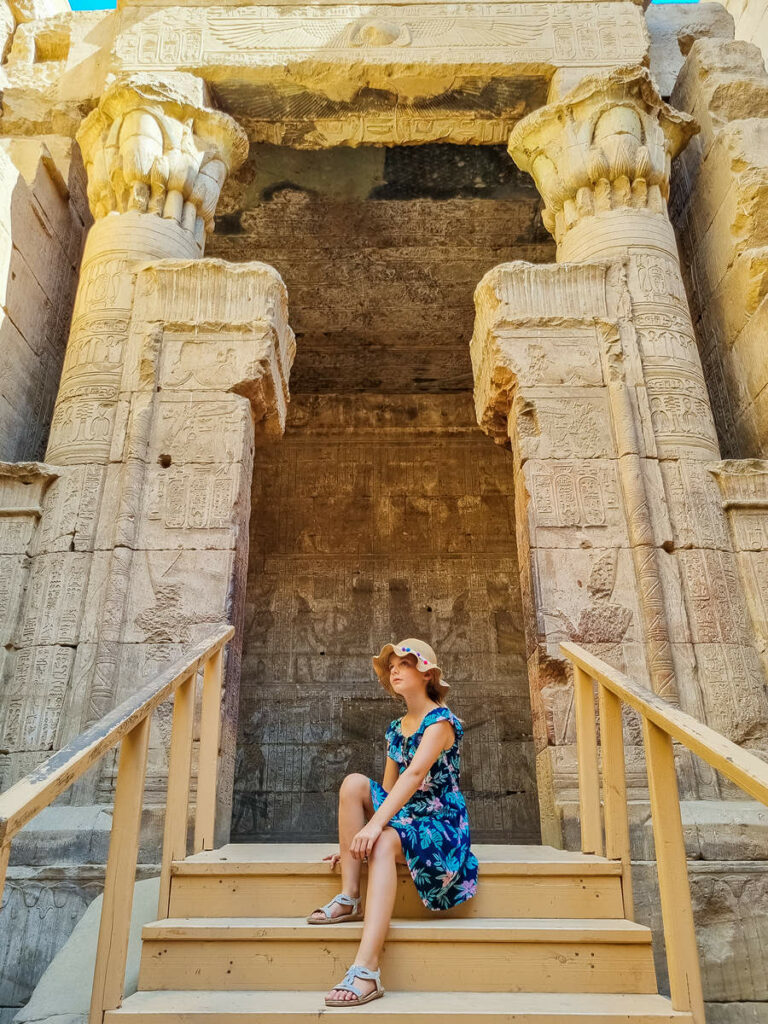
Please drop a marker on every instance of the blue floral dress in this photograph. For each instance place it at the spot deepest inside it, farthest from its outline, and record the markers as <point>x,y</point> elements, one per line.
<point>433,825</point>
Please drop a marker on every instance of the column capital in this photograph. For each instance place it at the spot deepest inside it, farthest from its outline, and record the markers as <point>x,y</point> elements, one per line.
<point>607,144</point>
<point>157,147</point>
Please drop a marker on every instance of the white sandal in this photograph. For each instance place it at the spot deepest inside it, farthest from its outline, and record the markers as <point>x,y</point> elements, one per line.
<point>357,971</point>
<point>355,914</point>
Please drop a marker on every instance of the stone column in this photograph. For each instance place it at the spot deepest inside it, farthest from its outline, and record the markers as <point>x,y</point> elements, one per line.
<point>601,160</point>
<point>156,158</point>
<point>590,369</point>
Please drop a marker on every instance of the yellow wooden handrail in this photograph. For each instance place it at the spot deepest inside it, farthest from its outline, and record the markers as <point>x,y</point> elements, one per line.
<point>748,771</point>
<point>128,725</point>
<point>662,723</point>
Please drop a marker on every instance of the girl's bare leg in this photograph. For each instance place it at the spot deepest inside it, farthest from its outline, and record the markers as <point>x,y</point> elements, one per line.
<point>379,903</point>
<point>355,808</point>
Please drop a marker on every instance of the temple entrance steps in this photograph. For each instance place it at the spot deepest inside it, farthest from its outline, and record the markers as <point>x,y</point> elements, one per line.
<point>545,940</point>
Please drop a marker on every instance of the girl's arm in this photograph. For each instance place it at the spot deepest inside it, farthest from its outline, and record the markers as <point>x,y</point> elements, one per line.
<point>391,773</point>
<point>437,738</point>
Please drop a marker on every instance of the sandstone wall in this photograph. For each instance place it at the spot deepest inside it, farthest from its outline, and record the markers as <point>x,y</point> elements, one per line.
<point>383,512</point>
<point>379,516</point>
<point>43,216</point>
<point>370,321</point>
<point>718,203</point>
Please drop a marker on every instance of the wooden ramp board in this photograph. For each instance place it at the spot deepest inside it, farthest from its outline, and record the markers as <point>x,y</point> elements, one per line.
<point>397,1008</point>
<point>457,955</point>
<point>292,880</point>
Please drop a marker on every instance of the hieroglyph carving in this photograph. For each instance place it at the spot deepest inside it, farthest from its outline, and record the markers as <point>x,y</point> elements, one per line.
<point>744,490</point>
<point>313,76</point>
<point>679,402</point>
<point>174,518</point>
<point>564,495</point>
<point>601,160</point>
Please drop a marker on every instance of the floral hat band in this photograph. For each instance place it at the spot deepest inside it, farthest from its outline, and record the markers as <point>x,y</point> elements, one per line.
<point>426,659</point>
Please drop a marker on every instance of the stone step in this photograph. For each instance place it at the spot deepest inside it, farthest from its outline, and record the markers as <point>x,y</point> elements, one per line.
<point>290,1007</point>
<point>486,954</point>
<point>287,880</point>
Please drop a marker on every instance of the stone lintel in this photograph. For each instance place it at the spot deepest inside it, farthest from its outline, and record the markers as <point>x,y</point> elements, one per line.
<point>22,486</point>
<point>743,482</point>
<point>377,75</point>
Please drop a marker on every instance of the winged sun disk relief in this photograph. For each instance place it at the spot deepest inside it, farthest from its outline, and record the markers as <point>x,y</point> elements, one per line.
<point>252,30</point>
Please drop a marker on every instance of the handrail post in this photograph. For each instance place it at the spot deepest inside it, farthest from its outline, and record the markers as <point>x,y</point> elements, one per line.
<point>5,856</point>
<point>586,752</point>
<point>617,845</point>
<point>177,799</point>
<point>210,722</point>
<point>120,877</point>
<point>672,869</point>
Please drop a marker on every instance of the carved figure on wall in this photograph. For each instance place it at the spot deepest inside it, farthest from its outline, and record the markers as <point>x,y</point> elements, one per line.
<point>164,620</point>
<point>249,804</point>
<point>603,624</point>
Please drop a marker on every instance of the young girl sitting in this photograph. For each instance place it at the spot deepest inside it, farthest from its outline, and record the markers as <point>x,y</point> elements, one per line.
<point>417,817</point>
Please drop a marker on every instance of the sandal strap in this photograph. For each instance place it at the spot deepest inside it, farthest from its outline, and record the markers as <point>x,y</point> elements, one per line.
<point>344,900</point>
<point>358,971</point>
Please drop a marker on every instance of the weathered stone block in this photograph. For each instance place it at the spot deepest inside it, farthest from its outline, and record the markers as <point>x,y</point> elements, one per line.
<point>714,597</point>
<point>70,509</point>
<point>729,904</point>
<point>721,81</point>
<point>55,599</point>
<point>193,505</point>
<point>13,577</point>
<point>562,423</point>
<point>589,598</point>
<point>673,28</point>
<point>36,684</point>
<point>172,597</point>
<point>733,190</point>
<point>694,506</point>
<point>751,20</point>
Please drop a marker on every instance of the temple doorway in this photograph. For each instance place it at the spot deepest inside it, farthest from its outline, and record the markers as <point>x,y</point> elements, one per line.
<point>384,511</point>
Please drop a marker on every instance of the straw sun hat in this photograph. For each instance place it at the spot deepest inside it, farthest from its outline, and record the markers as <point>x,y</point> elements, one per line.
<point>425,659</point>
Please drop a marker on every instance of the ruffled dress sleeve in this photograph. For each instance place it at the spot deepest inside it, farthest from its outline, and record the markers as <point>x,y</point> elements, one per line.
<point>440,714</point>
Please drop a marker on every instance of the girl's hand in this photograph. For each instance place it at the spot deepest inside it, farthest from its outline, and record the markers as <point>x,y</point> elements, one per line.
<point>334,858</point>
<point>364,841</point>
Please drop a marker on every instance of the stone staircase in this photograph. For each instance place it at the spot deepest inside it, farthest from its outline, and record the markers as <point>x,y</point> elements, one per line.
<point>545,940</point>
